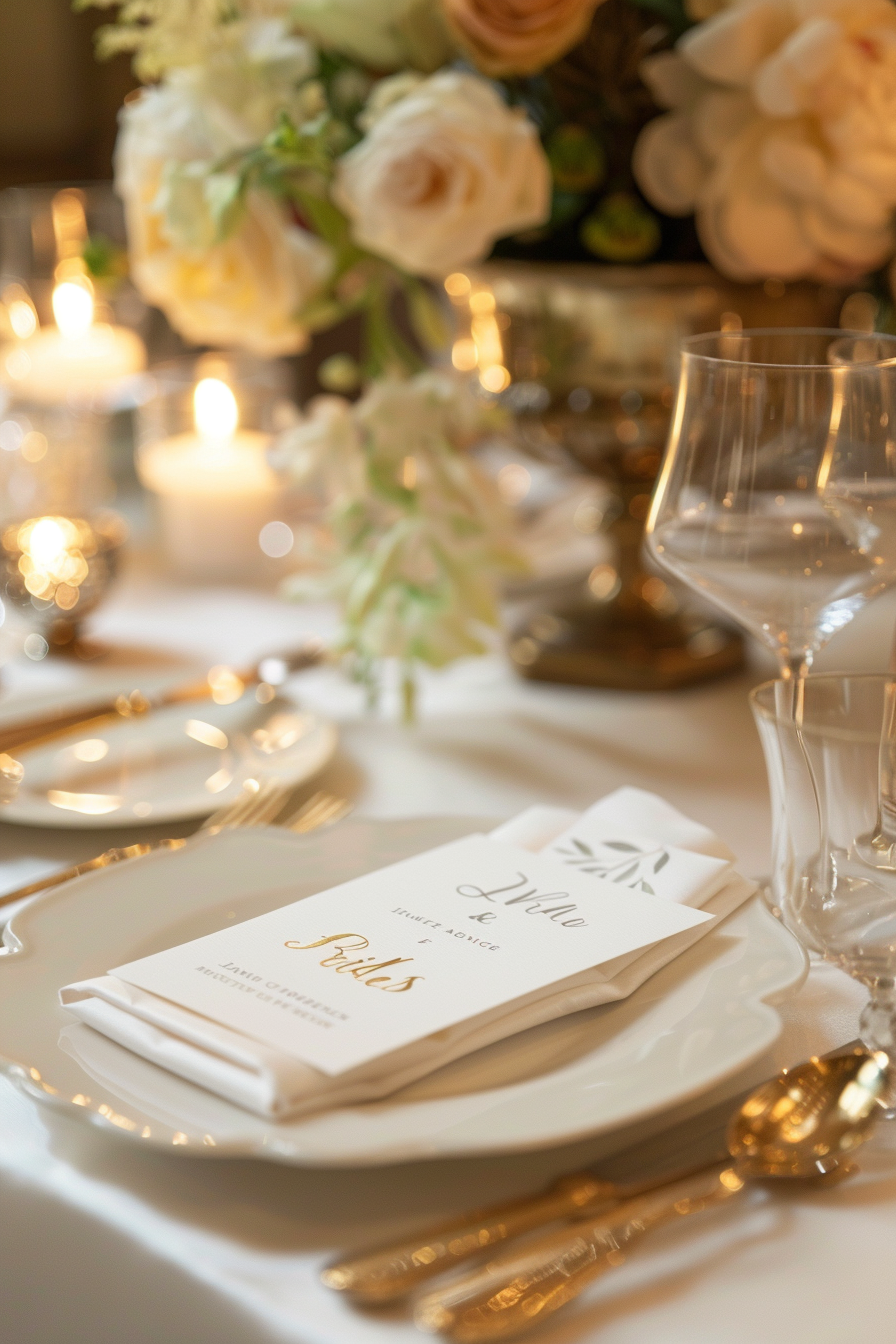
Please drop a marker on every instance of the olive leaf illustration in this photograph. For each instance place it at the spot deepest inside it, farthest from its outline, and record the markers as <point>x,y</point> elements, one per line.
<point>625,869</point>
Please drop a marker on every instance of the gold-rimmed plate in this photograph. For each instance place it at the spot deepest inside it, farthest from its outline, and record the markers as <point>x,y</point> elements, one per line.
<point>174,763</point>
<point>701,1019</point>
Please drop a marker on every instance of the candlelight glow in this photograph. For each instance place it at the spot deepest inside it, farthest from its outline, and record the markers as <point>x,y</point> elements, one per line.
<point>22,318</point>
<point>47,543</point>
<point>73,309</point>
<point>51,560</point>
<point>214,409</point>
<point>90,804</point>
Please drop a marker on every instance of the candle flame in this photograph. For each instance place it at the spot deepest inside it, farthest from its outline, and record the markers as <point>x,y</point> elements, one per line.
<point>47,542</point>
<point>73,308</point>
<point>214,409</point>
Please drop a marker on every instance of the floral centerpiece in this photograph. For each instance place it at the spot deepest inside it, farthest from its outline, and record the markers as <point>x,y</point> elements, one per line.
<point>291,163</point>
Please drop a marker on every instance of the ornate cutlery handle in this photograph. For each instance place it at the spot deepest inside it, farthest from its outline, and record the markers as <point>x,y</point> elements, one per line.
<point>393,1271</point>
<point>520,1288</point>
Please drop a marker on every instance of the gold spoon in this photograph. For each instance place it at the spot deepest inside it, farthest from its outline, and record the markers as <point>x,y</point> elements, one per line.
<point>804,1124</point>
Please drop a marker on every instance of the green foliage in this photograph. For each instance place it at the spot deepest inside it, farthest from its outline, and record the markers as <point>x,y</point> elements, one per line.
<point>621,229</point>
<point>578,162</point>
<point>419,536</point>
<point>104,260</point>
<point>672,12</point>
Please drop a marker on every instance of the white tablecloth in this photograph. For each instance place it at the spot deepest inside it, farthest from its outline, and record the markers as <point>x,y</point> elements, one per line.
<point>102,1243</point>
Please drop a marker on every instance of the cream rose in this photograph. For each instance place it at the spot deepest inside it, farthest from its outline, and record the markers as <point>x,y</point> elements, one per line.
<point>443,173</point>
<point>518,37</point>
<point>247,289</point>
<point>781,137</point>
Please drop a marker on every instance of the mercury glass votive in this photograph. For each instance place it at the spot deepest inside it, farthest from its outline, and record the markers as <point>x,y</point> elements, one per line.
<point>203,439</point>
<point>58,538</point>
<point>55,570</point>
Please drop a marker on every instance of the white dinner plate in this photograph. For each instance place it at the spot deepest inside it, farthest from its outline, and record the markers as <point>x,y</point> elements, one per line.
<point>694,1023</point>
<point>182,761</point>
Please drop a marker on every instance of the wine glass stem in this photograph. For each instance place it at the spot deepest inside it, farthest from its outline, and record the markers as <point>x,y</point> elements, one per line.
<point>877,1028</point>
<point>795,666</point>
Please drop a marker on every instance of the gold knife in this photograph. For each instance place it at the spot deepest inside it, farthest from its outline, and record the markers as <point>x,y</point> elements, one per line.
<point>390,1272</point>
<point>221,682</point>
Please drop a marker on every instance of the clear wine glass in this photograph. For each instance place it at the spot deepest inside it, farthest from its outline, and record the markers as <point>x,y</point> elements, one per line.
<point>777,495</point>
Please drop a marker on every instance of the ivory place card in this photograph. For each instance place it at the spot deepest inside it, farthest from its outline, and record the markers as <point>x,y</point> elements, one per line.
<point>343,977</point>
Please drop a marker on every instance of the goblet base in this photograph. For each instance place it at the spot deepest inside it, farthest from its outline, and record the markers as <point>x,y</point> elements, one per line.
<point>624,650</point>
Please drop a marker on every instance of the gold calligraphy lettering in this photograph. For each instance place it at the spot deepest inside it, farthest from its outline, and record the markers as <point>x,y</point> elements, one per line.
<point>339,961</point>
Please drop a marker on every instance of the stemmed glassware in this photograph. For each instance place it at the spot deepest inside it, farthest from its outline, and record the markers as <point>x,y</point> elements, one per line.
<point>822,746</point>
<point>777,495</point>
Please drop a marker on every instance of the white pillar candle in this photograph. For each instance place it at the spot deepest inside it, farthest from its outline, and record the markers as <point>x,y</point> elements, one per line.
<point>215,488</point>
<point>78,358</point>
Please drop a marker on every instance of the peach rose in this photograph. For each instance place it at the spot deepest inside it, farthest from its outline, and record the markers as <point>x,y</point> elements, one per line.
<point>518,37</point>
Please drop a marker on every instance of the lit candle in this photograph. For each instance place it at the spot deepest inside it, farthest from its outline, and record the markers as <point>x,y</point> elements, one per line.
<point>78,358</point>
<point>215,489</point>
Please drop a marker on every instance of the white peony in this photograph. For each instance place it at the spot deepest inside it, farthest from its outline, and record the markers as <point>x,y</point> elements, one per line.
<point>246,289</point>
<point>443,173</point>
<point>380,34</point>
<point>781,137</point>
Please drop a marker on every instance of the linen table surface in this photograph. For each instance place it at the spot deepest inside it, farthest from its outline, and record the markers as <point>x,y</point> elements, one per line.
<point>102,1242</point>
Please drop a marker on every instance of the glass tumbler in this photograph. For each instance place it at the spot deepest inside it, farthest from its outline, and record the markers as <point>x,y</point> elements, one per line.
<point>827,743</point>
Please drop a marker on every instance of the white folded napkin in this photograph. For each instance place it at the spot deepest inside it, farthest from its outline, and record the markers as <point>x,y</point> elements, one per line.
<point>623,837</point>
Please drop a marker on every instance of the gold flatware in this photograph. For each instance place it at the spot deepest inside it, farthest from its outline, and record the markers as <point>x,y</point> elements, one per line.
<point>388,1273</point>
<point>258,804</point>
<point>803,1125</point>
<point>321,809</point>
<point>222,684</point>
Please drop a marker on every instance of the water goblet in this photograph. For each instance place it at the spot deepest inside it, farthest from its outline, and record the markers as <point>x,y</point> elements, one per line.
<point>821,740</point>
<point>777,495</point>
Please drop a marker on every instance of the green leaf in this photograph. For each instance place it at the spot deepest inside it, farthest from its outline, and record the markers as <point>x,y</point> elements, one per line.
<point>427,318</point>
<point>621,229</point>
<point>577,159</point>
<point>224,195</point>
<point>582,847</point>
<point>621,845</point>
<point>645,886</point>
<point>103,259</point>
<point>661,862</point>
<point>629,872</point>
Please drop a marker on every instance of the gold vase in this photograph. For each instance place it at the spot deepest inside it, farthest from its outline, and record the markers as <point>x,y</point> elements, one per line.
<point>587,359</point>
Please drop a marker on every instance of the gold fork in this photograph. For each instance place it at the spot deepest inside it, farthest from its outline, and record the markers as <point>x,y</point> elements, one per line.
<point>258,804</point>
<point>321,809</point>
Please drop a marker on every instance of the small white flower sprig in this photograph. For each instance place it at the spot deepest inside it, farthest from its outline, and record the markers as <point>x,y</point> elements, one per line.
<point>418,539</point>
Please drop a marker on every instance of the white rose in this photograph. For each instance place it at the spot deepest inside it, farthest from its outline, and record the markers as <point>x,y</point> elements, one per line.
<point>781,137</point>
<point>381,34</point>
<point>444,173</point>
<point>247,289</point>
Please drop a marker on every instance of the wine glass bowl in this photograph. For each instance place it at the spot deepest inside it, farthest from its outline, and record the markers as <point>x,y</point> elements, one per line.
<point>777,495</point>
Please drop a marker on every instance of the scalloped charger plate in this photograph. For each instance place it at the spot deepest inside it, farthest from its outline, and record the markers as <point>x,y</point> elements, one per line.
<point>696,1022</point>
